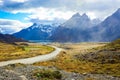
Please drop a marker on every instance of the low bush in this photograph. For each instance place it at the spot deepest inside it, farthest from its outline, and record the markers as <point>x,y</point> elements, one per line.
<point>47,74</point>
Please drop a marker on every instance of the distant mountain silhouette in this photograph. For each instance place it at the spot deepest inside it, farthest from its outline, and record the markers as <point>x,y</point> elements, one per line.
<point>74,29</point>
<point>79,21</point>
<point>108,30</point>
<point>9,38</point>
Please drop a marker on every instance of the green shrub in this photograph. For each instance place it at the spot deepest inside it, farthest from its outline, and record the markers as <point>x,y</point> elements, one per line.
<point>47,74</point>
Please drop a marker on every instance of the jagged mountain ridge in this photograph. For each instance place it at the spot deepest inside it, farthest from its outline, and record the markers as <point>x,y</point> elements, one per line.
<point>74,29</point>
<point>79,28</point>
<point>108,30</point>
<point>79,21</point>
<point>37,32</point>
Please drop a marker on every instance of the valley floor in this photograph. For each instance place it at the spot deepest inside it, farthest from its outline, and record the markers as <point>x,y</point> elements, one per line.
<point>22,50</point>
<point>34,59</point>
<point>78,61</point>
<point>70,61</point>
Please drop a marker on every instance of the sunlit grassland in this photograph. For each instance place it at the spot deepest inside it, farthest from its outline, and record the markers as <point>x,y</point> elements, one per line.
<point>22,50</point>
<point>79,48</point>
<point>67,60</point>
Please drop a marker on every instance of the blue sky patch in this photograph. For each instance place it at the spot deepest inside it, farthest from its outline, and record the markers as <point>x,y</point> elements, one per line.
<point>17,16</point>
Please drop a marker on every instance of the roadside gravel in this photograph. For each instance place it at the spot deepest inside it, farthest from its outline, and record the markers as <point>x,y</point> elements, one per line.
<point>24,72</point>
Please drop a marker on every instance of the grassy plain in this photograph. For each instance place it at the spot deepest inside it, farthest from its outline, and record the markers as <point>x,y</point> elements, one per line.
<point>71,59</point>
<point>22,50</point>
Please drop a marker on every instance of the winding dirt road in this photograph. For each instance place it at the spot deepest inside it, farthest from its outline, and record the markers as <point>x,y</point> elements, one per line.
<point>34,59</point>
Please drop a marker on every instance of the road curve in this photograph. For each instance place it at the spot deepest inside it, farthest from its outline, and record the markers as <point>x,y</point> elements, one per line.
<point>33,59</point>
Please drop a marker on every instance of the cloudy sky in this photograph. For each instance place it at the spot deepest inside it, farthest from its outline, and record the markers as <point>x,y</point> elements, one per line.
<point>18,14</point>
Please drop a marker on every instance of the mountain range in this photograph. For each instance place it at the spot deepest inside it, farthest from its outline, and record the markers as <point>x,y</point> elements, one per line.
<point>107,30</point>
<point>79,28</point>
<point>6,38</point>
<point>74,29</point>
<point>37,32</point>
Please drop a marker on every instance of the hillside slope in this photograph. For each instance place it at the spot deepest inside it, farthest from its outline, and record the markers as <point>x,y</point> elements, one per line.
<point>6,38</point>
<point>107,30</point>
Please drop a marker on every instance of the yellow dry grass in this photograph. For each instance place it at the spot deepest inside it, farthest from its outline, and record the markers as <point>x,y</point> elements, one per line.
<point>77,48</point>
<point>67,61</point>
<point>9,51</point>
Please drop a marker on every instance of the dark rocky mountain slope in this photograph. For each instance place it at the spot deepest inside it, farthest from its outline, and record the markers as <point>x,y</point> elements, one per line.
<point>6,38</point>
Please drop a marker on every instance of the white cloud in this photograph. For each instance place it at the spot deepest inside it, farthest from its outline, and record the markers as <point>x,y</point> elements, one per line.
<point>1,2</point>
<point>51,9</point>
<point>50,14</point>
<point>18,0</point>
<point>12,26</point>
<point>92,15</point>
<point>46,13</point>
